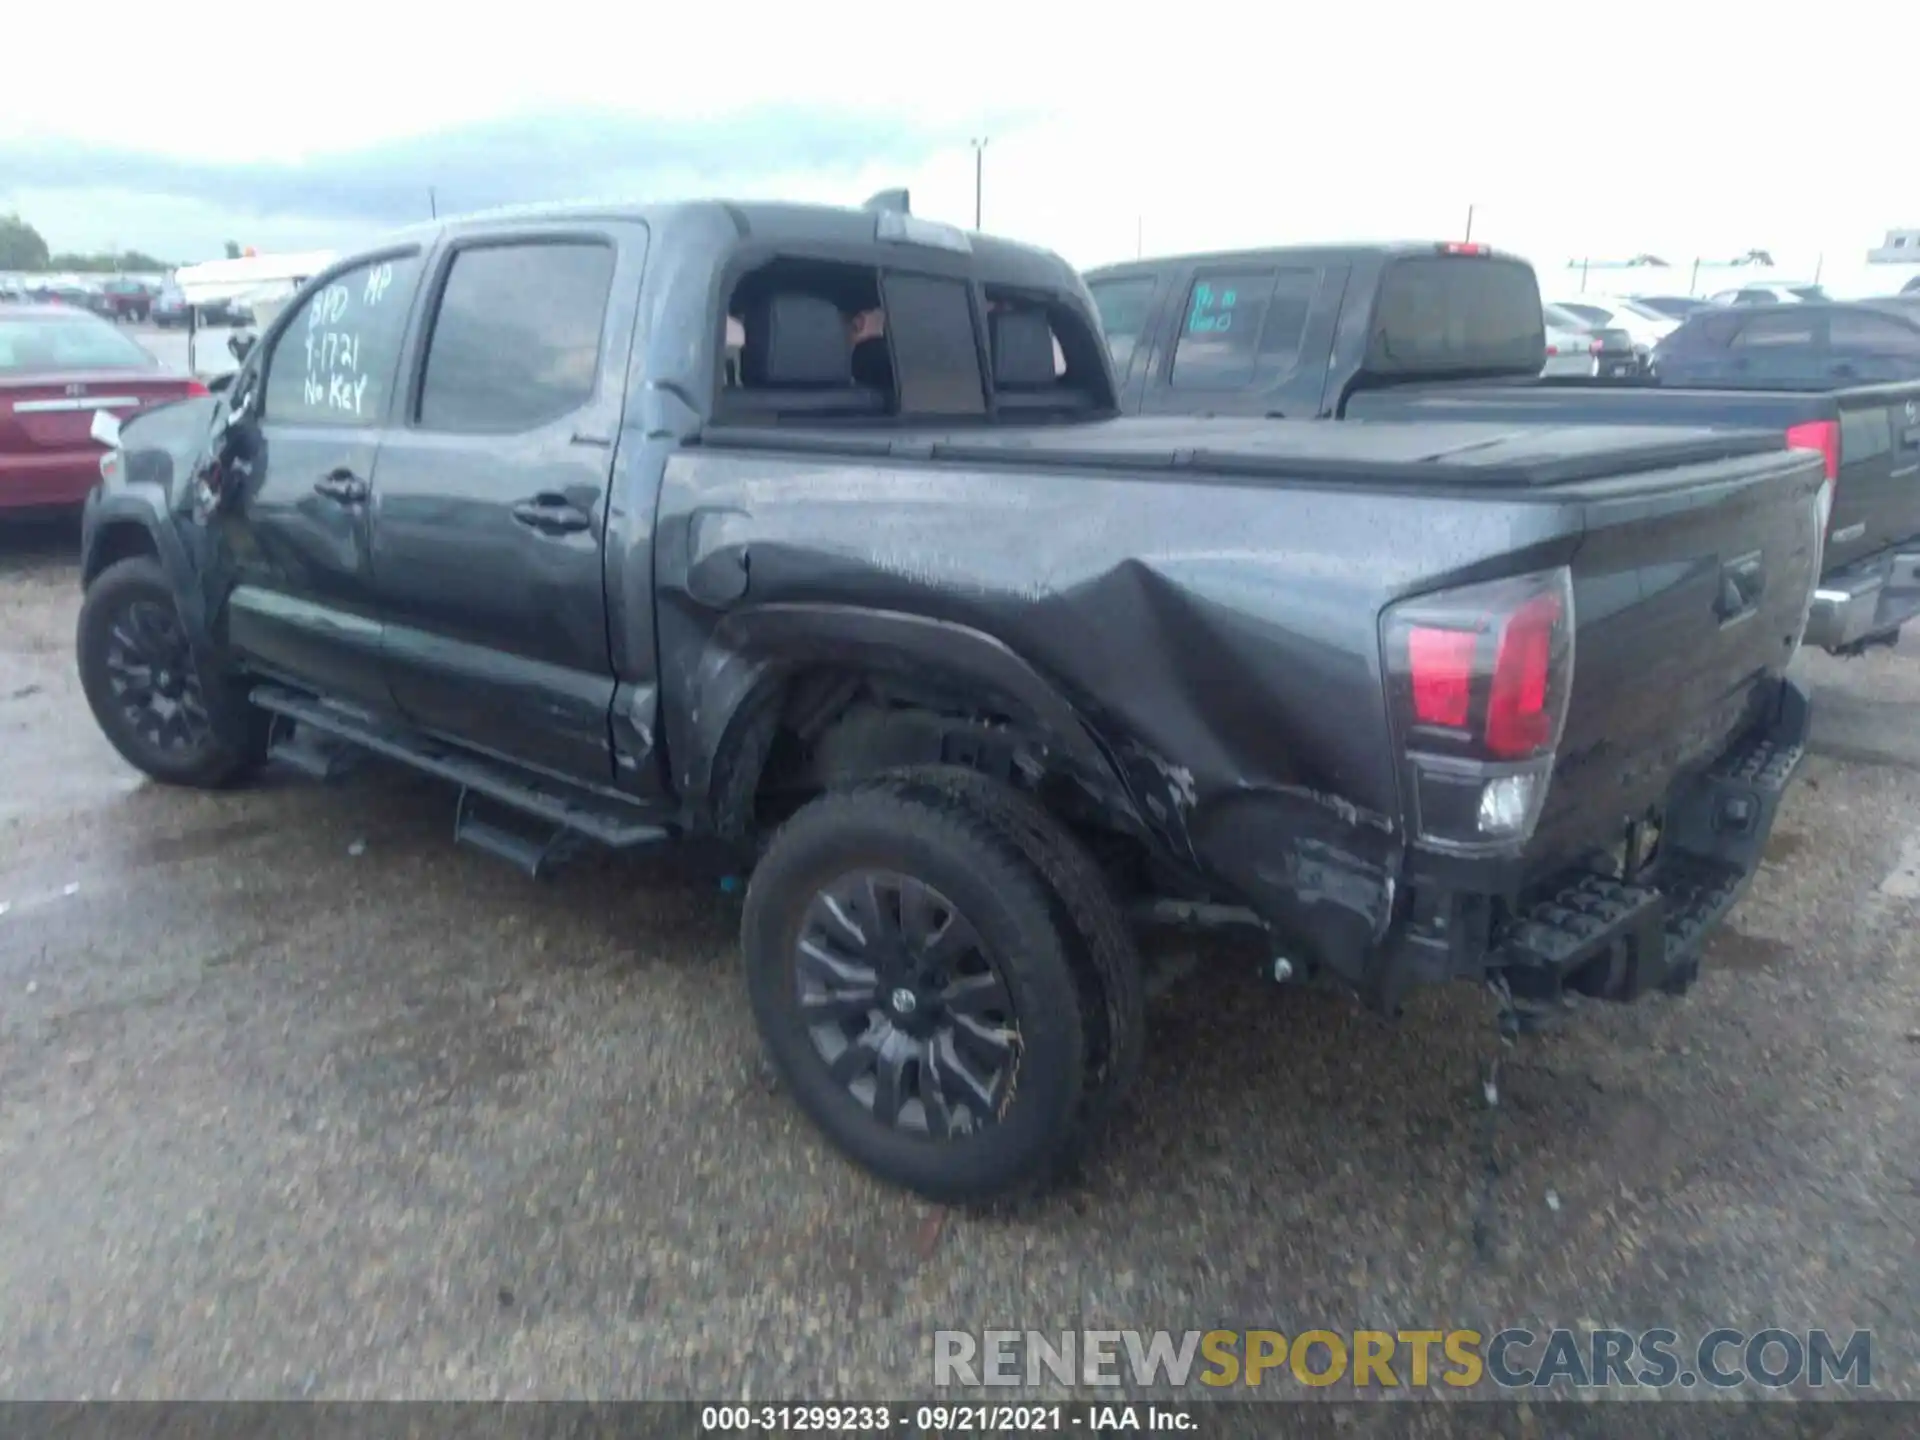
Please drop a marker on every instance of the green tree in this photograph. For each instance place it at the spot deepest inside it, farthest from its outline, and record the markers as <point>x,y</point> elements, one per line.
<point>21,247</point>
<point>233,249</point>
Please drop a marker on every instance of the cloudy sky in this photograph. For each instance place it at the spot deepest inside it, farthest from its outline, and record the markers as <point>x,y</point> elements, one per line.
<point>1691,127</point>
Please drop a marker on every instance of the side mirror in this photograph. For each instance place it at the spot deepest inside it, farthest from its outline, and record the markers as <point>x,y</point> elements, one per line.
<point>220,384</point>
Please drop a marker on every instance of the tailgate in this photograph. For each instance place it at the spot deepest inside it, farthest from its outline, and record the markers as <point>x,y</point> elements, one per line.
<point>1876,501</point>
<point>1691,588</point>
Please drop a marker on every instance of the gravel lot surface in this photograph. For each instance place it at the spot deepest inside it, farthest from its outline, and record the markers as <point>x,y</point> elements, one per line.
<point>298,1099</point>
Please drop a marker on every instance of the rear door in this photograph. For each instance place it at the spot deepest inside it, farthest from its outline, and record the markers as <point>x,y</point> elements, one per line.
<point>1782,346</point>
<point>492,492</point>
<point>1245,337</point>
<point>298,455</point>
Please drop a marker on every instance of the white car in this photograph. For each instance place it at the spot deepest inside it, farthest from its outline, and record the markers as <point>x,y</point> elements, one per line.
<point>1772,292</point>
<point>1644,325</point>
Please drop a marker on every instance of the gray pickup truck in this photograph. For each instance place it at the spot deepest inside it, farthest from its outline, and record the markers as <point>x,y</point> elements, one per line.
<point>1415,333</point>
<point>815,531</point>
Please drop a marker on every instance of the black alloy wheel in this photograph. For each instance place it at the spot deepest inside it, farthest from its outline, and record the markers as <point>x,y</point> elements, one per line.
<point>154,680</point>
<point>904,1004</point>
<point>910,976</point>
<point>148,690</point>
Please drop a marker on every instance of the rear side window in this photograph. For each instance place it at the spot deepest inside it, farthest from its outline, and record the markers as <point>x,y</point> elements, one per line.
<point>1778,329</point>
<point>1123,307</point>
<point>1450,314</point>
<point>515,342</point>
<point>1242,328</point>
<point>1851,330</point>
<point>334,362</point>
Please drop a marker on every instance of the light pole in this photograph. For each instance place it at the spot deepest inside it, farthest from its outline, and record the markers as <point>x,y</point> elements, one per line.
<point>979,167</point>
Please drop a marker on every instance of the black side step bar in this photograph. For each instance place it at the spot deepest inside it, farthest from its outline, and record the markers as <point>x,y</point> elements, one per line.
<point>572,809</point>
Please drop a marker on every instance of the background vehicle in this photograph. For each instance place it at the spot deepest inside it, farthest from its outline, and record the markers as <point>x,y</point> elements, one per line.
<point>1771,293</point>
<point>168,308</point>
<point>1576,346</point>
<point>1672,307</point>
<point>1645,327</point>
<point>1466,326</point>
<point>1792,347</point>
<point>56,290</point>
<point>58,367</point>
<point>125,299</point>
<point>988,665</point>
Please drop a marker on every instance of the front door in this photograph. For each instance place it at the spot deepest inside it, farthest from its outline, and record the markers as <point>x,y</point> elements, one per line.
<point>491,497</point>
<point>298,461</point>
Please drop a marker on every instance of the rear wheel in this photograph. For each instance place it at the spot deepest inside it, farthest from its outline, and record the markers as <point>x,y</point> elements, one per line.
<point>149,691</point>
<point>912,985</point>
<point>1106,962</point>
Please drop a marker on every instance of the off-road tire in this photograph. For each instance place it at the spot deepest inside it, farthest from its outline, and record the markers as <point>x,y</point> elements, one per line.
<point>1106,961</point>
<point>942,841</point>
<point>233,743</point>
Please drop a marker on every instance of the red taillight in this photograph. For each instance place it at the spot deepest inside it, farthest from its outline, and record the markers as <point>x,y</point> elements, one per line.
<point>1821,435</point>
<point>1824,436</point>
<point>1553,349</point>
<point>195,387</point>
<point>1440,669</point>
<point>1597,346</point>
<point>1481,677</point>
<point>1518,720</point>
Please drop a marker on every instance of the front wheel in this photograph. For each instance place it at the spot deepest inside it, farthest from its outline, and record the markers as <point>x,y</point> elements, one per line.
<point>913,988</point>
<point>148,691</point>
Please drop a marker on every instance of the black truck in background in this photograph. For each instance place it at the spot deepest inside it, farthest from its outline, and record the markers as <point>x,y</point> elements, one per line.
<point>1453,331</point>
<point>971,669</point>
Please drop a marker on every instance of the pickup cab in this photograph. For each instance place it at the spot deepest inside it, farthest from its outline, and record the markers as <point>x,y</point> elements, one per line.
<point>1454,331</point>
<point>815,532</point>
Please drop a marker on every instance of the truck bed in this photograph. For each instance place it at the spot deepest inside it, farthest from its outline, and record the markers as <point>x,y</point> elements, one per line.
<point>1190,583</point>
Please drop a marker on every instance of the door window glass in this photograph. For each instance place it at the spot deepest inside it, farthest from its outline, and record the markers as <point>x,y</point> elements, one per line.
<point>334,363</point>
<point>516,340</point>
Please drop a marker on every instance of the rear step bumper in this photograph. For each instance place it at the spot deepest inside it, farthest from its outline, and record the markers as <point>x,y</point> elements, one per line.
<point>1615,939</point>
<point>1865,601</point>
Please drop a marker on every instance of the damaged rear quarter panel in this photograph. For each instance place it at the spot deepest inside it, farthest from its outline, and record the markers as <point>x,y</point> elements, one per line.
<point>1219,637</point>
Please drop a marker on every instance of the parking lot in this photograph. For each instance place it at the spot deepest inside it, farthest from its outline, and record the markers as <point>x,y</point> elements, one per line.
<point>297,1099</point>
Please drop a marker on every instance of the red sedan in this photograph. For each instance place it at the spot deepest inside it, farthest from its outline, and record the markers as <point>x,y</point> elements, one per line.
<point>58,366</point>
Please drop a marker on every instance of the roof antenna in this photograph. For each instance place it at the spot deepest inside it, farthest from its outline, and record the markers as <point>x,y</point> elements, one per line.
<point>888,200</point>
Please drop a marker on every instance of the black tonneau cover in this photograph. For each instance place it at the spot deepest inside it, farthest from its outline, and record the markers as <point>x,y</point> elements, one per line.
<point>1469,454</point>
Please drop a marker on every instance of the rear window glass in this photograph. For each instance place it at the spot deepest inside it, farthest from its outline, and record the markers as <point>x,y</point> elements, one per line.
<point>1453,313</point>
<point>76,342</point>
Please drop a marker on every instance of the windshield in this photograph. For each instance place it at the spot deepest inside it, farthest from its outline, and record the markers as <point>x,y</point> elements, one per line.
<point>66,342</point>
<point>1561,318</point>
<point>1586,314</point>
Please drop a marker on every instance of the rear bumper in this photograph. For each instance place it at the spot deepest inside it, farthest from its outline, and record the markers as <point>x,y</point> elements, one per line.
<point>1592,931</point>
<point>37,482</point>
<point>1865,601</point>
<point>1615,939</point>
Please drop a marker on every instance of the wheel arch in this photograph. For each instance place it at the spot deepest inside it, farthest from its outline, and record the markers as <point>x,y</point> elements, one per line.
<point>731,709</point>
